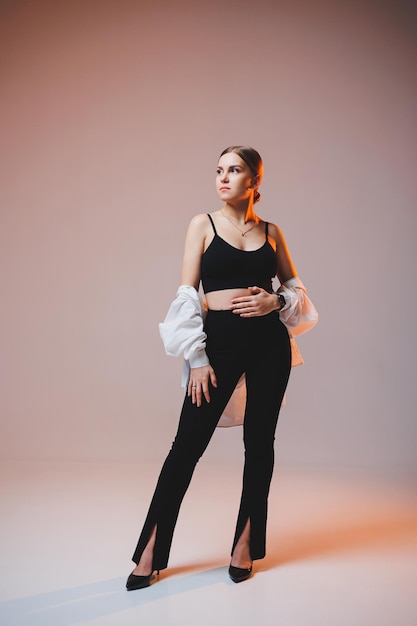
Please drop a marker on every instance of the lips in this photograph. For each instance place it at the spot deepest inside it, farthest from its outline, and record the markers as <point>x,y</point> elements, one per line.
<point>224,188</point>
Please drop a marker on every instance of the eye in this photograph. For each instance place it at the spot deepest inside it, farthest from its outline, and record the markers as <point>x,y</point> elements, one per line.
<point>219,171</point>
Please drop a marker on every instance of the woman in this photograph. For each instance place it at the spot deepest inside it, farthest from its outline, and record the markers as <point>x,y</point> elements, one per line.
<point>235,255</point>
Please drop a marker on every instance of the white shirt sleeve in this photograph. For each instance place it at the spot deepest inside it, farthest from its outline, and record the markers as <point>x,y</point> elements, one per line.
<point>299,314</point>
<point>182,330</point>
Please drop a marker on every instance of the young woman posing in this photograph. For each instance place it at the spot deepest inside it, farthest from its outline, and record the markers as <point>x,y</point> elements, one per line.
<point>235,255</point>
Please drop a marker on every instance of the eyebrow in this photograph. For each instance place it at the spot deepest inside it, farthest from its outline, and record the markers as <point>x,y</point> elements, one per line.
<point>229,166</point>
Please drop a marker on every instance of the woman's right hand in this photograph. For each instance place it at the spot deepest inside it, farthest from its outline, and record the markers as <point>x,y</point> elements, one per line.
<point>198,385</point>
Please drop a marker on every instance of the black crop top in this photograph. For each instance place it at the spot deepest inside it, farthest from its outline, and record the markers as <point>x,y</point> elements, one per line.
<point>225,267</point>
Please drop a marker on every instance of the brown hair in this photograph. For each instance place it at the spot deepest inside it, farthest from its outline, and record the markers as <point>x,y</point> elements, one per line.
<point>253,160</point>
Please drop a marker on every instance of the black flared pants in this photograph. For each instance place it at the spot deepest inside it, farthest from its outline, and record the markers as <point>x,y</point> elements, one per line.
<point>260,348</point>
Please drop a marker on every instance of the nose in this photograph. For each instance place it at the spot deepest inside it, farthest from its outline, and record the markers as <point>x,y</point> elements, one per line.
<point>224,177</point>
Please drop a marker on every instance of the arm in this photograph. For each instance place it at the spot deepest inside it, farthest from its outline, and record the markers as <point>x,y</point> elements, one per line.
<point>298,314</point>
<point>193,250</point>
<point>198,384</point>
<point>285,266</point>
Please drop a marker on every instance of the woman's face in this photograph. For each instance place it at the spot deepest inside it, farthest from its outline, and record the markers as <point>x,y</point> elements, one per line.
<point>234,180</point>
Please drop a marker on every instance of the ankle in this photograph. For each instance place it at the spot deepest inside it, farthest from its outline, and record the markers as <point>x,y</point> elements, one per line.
<point>144,567</point>
<point>241,563</point>
<point>241,557</point>
<point>142,570</point>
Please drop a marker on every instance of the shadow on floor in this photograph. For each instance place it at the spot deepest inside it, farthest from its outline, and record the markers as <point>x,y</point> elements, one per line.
<point>372,533</point>
<point>70,606</point>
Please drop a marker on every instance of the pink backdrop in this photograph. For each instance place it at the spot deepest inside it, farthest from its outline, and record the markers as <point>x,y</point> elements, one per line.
<point>113,116</point>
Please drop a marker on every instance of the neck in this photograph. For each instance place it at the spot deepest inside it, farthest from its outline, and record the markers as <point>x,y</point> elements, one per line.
<point>241,211</point>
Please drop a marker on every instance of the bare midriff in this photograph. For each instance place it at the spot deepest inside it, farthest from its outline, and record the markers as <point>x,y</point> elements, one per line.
<point>222,300</point>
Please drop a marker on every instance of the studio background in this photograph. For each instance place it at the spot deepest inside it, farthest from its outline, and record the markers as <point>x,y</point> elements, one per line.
<point>113,116</point>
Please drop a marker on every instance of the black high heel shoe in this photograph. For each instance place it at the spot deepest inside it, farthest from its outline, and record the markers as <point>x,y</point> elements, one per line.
<point>140,582</point>
<point>239,574</point>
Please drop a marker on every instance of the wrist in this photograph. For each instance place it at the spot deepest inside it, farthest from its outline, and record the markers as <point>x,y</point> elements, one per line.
<point>281,302</point>
<point>198,358</point>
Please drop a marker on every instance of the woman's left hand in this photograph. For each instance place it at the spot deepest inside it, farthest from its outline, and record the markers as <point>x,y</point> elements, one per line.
<point>260,302</point>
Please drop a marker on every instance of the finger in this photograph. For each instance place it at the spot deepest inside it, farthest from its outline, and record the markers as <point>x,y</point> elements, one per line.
<point>213,378</point>
<point>241,301</point>
<point>249,314</point>
<point>193,392</point>
<point>206,392</point>
<point>242,308</point>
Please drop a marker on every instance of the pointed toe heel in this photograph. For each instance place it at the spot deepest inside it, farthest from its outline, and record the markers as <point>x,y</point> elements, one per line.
<point>140,582</point>
<point>239,574</point>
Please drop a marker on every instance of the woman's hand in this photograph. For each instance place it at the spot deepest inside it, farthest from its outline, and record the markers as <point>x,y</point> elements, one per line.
<point>198,385</point>
<point>260,302</point>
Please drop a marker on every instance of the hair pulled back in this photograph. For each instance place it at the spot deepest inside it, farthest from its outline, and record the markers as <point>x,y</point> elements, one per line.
<point>253,160</point>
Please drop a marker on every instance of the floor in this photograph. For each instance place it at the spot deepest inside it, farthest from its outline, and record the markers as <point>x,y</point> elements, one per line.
<point>342,549</point>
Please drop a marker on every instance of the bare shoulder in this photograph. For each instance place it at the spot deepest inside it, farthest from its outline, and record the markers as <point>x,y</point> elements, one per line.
<point>276,233</point>
<point>199,223</point>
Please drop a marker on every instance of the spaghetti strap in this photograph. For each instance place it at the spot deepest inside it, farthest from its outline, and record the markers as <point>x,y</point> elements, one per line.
<point>266,231</point>
<point>212,223</point>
